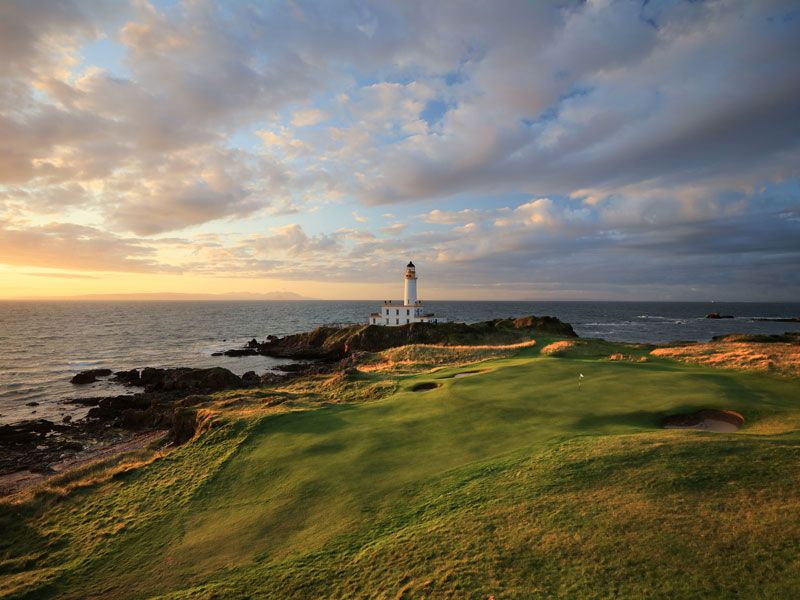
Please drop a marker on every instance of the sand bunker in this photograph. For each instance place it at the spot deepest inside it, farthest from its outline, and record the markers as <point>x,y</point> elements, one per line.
<point>425,386</point>
<point>463,374</point>
<point>718,421</point>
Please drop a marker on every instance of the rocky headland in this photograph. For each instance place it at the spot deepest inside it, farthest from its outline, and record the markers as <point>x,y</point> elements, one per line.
<point>337,343</point>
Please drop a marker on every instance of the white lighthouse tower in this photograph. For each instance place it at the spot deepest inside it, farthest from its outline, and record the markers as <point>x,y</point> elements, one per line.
<point>394,314</point>
<point>410,296</point>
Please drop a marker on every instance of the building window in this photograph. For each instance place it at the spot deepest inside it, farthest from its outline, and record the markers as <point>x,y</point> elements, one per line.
<point>396,311</point>
<point>397,321</point>
<point>408,312</point>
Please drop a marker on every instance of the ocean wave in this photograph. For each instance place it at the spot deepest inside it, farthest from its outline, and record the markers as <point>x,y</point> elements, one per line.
<point>655,317</point>
<point>83,363</point>
<point>769,317</point>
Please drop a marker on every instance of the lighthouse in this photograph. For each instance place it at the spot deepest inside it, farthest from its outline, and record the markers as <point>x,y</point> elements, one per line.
<point>410,296</point>
<point>410,310</point>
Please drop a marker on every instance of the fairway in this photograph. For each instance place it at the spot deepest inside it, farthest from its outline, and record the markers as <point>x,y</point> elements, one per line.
<point>513,481</point>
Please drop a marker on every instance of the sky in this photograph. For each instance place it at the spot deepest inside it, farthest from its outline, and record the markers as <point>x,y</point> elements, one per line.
<point>596,150</point>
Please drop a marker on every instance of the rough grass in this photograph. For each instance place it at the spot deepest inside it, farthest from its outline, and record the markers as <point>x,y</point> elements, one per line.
<point>782,358</point>
<point>511,482</point>
<point>420,357</point>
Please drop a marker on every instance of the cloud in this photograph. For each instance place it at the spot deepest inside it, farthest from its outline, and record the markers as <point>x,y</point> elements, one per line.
<point>573,140</point>
<point>443,217</point>
<point>543,114</point>
<point>50,275</point>
<point>68,246</point>
<point>393,229</point>
<point>308,116</point>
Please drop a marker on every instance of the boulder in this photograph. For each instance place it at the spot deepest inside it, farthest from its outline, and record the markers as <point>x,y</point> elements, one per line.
<point>135,420</point>
<point>184,380</point>
<point>271,378</point>
<point>89,376</point>
<point>184,424</point>
<point>251,378</point>
<point>196,380</point>
<point>238,352</point>
<point>716,315</point>
<point>127,377</point>
<point>112,407</point>
<point>27,432</point>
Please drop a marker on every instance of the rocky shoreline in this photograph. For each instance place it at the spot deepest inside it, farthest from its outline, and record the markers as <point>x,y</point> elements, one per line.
<point>165,399</point>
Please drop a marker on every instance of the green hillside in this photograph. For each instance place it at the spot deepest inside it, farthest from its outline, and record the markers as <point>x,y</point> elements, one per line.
<point>512,482</point>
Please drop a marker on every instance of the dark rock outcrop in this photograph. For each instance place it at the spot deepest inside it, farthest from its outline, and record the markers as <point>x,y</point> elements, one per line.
<point>131,377</point>
<point>716,315</point>
<point>164,390</point>
<point>332,343</point>
<point>184,424</point>
<point>180,380</point>
<point>166,403</point>
<point>251,378</point>
<point>33,445</point>
<point>237,352</point>
<point>249,349</point>
<point>189,381</point>
<point>89,376</point>
<point>27,431</point>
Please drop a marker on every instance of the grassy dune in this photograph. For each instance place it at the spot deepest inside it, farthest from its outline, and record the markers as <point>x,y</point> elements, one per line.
<point>511,481</point>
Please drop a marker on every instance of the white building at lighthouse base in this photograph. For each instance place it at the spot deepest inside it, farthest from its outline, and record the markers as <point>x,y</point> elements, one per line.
<point>410,310</point>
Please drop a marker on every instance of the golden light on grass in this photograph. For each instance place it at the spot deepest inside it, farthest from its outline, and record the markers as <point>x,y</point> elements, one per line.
<point>782,358</point>
<point>557,347</point>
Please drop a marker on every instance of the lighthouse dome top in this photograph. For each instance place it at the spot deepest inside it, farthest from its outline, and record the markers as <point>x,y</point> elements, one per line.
<point>410,264</point>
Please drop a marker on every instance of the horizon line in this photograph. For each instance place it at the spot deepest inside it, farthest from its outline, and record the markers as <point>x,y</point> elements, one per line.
<point>225,297</point>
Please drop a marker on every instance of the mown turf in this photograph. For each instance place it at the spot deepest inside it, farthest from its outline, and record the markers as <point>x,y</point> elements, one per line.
<point>512,481</point>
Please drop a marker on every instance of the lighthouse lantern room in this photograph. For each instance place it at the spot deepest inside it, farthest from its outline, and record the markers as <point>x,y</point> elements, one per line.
<point>393,313</point>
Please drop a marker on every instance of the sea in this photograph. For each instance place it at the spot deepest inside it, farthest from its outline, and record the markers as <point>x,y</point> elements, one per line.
<point>44,343</point>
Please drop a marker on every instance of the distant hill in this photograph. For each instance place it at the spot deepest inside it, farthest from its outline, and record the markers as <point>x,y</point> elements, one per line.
<point>172,296</point>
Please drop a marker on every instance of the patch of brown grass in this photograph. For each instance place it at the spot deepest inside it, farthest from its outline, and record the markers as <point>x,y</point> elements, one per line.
<point>618,356</point>
<point>781,358</point>
<point>557,347</point>
<point>416,357</point>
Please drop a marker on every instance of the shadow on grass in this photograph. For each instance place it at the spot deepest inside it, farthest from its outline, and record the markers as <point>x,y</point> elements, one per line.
<point>318,420</point>
<point>645,419</point>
